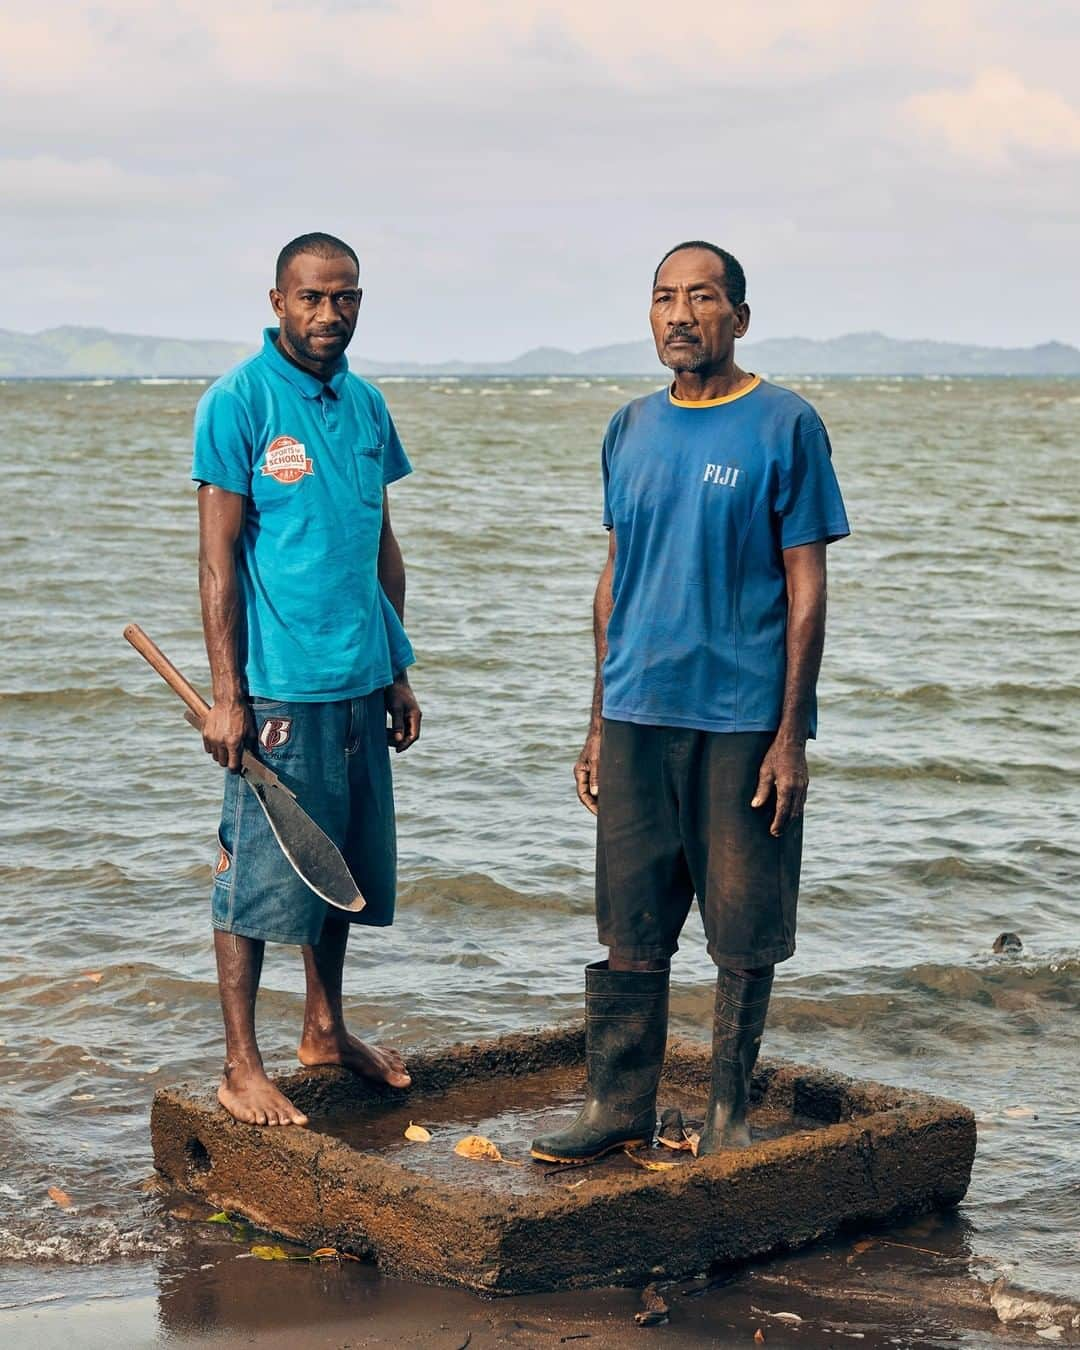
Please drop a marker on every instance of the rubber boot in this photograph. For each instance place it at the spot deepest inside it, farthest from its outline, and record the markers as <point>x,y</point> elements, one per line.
<point>626,1014</point>
<point>742,1002</point>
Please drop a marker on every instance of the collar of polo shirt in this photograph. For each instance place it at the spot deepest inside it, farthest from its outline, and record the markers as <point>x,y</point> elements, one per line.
<point>309,385</point>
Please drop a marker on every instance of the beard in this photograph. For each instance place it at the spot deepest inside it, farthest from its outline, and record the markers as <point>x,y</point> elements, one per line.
<point>318,353</point>
<point>686,359</point>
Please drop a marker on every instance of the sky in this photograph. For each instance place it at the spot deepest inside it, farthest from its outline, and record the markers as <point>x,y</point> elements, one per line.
<point>509,173</point>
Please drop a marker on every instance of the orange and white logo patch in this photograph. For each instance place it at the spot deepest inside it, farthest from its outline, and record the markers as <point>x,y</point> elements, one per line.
<point>286,460</point>
<point>224,862</point>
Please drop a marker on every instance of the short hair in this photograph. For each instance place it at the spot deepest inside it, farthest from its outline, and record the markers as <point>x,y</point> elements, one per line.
<point>734,276</point>
<point>319,244</point>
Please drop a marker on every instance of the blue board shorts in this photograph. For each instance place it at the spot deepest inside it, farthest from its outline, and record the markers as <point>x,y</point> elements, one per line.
<point>335,757</point>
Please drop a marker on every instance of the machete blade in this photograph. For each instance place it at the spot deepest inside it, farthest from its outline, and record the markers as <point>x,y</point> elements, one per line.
<point>310,852</point>
<point>313,855</point>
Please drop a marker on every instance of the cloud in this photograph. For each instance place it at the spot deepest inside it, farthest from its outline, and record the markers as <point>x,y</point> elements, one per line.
<point>997,119</point>
<point>47,183</point>
<point>280,44</point>
<point>537,156</point>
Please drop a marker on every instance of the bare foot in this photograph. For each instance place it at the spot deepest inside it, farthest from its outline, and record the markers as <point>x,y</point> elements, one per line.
<point>250,1097</point>
<point>380,1063</point>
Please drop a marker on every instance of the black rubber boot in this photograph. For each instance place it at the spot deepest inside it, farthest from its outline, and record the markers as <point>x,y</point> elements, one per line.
<point>742,1002</point>
<point>626,1014</point>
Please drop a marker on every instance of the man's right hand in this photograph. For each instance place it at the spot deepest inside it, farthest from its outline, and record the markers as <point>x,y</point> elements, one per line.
<point>228,727</point>
<point>587,772</point>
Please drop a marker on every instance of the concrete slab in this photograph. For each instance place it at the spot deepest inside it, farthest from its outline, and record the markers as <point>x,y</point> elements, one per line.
<point>829,1153</point>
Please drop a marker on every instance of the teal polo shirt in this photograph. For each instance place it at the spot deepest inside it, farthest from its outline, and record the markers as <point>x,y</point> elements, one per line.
<point>312,459</point>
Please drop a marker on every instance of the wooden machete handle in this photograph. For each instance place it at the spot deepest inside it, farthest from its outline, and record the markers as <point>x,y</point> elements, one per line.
<point>152,653</point>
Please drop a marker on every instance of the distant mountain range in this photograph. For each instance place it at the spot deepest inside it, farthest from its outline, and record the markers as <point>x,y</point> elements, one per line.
<point>81,353</point>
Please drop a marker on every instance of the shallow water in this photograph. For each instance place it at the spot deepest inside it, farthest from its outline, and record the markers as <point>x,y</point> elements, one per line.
<point>944,806</point>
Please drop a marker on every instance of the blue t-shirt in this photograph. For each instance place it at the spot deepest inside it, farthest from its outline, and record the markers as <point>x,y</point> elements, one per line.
<point>312,459</point>
<point>703,498</point>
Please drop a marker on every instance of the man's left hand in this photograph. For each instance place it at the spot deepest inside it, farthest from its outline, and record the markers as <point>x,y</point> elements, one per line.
<point>784,771</point>
<point>404,713</point>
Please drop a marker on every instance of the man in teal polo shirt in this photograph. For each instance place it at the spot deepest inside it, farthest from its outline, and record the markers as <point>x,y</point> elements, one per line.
<point>303,595</point>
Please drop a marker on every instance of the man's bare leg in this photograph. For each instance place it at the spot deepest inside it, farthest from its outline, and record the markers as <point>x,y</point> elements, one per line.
<point>245,1091</point>
<point>325,1039</point>
<point>616,961</point>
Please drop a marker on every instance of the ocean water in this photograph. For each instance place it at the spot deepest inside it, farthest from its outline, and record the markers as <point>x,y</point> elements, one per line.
<point>944,804</point>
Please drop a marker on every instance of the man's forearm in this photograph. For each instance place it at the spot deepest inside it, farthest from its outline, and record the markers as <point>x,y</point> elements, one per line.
<point>602,606</point>
<point>222,618</point>
<point>805,644</point>
<point>392,574</point>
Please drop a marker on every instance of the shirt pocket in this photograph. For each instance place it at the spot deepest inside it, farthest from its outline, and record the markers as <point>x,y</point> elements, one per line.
<point>368,465</point>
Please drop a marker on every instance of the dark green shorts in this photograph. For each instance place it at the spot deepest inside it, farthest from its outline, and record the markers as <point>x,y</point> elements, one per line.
<point>675,821</point>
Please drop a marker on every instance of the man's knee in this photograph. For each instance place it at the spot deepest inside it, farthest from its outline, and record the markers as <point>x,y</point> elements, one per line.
<point>755,973</point>
<point>618,961</point>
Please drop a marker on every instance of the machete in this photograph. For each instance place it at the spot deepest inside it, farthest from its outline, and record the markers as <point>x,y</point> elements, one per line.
<point>314,857</point>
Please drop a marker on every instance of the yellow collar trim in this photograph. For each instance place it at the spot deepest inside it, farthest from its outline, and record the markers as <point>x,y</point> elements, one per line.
<point>713,402</point>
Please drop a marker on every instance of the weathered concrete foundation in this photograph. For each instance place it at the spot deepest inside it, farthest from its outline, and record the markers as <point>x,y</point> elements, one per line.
<point>829,1153</point>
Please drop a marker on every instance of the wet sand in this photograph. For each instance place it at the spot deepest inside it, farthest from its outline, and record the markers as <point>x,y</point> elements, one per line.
<point>914,1287</point>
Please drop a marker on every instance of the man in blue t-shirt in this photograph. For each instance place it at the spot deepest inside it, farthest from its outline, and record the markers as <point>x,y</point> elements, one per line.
<point>719,499</point>
<point>303,594</point>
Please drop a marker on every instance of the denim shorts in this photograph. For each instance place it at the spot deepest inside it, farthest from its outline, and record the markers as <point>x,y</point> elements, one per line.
<point>335,757</point>
<point>675,822</point>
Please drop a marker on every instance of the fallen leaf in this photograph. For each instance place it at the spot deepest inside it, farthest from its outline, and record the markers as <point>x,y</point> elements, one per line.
<point>219,1217</point>
<point>274,1253</point>
<point>647,1318</point>
<point>325,1254</point>
<point>59,1197</point>
<point>649,1166</point>
<point>654,1309</point>
<point>94,975</point>
<point>686,1142</point>
<point>477,1147</point>
<point>759,1337</point>
<point>417,1134</point>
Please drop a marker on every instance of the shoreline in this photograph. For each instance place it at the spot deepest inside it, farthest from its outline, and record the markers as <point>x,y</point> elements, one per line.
<point>912,1287</point>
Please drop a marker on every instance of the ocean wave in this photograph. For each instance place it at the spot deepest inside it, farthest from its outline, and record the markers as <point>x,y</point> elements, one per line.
<point>82,698</point>
<point>88,1244</point>
<point>474,890</point>
<point>940,770</point>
